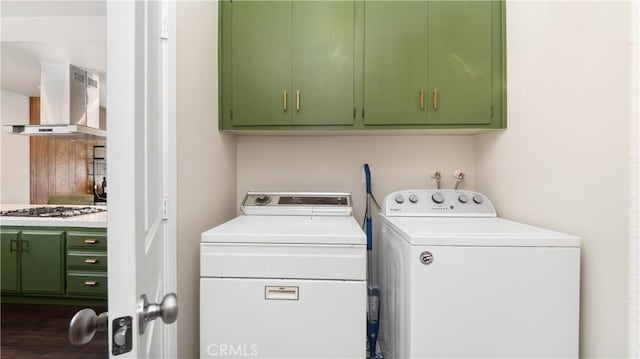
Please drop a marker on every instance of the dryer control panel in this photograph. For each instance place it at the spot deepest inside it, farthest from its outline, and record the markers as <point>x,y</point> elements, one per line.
<point>437,203</point>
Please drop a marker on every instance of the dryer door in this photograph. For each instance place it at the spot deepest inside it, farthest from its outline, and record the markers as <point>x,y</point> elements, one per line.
<point>277,318</point>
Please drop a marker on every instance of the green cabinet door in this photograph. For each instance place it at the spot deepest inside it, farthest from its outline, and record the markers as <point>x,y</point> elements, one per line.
<point>395,57</point>
<point>9,247</point>
<point>42,262</point>
<point>459,61</point>
<point>261,62</point>
<point>323,62</point>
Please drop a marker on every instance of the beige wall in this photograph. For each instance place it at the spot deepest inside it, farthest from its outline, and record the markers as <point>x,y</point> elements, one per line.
<point>14,170</point>
<point>334,163</point>
<point>206,158</point>
<point>564,161</point>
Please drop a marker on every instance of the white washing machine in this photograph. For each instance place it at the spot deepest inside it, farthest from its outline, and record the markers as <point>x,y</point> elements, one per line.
<point>285,280</point>
<point>457,281</point>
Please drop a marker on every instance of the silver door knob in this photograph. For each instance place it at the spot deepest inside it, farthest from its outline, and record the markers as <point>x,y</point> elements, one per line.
<point>167,310</point>
<point>85,324</point>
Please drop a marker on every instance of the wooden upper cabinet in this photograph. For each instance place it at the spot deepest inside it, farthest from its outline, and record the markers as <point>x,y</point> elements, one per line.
<point>343,65</point>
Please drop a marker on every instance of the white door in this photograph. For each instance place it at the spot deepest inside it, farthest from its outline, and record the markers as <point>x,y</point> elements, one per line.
<point>142,171</point>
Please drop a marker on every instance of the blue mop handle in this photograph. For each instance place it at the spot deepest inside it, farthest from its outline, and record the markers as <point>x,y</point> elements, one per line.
<point>367,173</point>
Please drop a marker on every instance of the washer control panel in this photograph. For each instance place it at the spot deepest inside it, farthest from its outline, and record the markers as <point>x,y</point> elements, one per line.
<point>437,203</point>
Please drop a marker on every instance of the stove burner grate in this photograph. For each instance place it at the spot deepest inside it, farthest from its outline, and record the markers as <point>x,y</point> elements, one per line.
<point>60,211</point>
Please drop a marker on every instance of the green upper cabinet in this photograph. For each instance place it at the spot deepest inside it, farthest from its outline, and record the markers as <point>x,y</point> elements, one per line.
<point>42,261</point>
<point>433,63</point>
<point>459,62</point>
<point>395,58</point>
<point>287,63</point>
<point>323,66</point>
<point>9,247</point>
<point>261,62</point>
<point>362,64</point>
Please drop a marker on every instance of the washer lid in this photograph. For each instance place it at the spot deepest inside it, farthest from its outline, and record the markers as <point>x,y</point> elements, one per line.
<point>288,229</point>
<point>476,232</point>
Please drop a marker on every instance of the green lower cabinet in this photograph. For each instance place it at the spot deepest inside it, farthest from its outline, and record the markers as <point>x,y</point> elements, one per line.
<point>42,262</point>
<point>54,265</point>
<point>9,264</point>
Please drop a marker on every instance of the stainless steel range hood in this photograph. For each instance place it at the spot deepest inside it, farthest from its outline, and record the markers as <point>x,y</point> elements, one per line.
<point>69,105</point>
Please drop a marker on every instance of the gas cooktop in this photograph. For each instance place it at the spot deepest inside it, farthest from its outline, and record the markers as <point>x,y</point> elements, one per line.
<point>60,211</point>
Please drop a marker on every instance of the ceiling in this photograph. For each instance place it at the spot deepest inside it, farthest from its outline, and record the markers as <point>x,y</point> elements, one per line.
<point>67,32</point>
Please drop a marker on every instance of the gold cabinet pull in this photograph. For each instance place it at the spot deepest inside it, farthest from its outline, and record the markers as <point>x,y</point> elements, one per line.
<point>91,261</point>
<point>91,283</point>
<point>298,100</point>
<point>435,98</point>
<point>421,98</point>
<point>284,99</point>
<point>90,241</point>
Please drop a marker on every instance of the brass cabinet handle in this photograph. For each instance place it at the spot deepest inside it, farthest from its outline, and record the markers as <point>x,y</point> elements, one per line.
<point>91,261</point>
<point>298,100</point>
<point>435,98</point>
<point>421,98</point>
<point>91,283</point>
<point>90,241</point>
<point>284,95</point>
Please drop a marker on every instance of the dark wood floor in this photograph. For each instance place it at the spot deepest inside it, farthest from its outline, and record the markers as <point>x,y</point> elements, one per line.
<point>40,331</point>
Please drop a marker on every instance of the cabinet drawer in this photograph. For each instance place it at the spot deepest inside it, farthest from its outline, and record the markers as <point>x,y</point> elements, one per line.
<point>87,240</point>
<point>84,283</point>
<point>87,260</point>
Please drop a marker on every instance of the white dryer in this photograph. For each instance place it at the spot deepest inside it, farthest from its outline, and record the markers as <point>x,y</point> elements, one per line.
<point>457,281</point>
<point>285,280</point>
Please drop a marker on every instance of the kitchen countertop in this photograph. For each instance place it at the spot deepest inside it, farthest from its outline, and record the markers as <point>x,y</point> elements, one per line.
<point>93,220</point>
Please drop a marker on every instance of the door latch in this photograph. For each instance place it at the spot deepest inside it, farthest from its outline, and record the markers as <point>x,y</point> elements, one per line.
<point>122,335</point>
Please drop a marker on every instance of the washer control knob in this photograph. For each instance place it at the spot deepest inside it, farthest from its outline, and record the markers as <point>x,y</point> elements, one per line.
<point>478,199</point>
<point>263,200</point>
<point>399,198</point>
<point>413,198</point>
<point>463,198</point>
<point>437,197</point>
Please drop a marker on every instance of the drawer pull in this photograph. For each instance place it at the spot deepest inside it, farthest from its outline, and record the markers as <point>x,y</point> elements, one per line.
<point>421,98</point>
<point>91,283</point>
<point>91,261</point>
<point>281,293</point>
<point>90,241</point>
